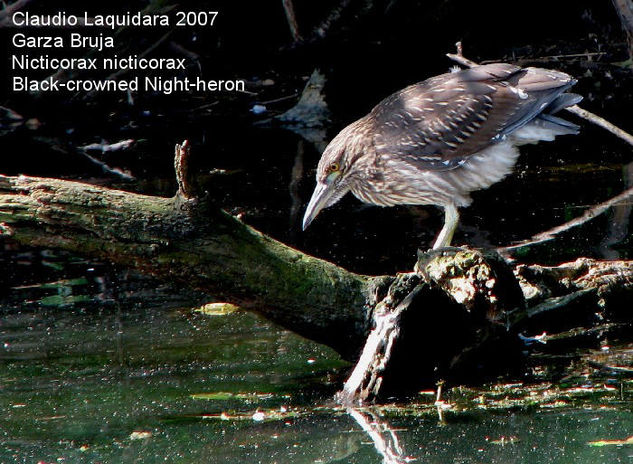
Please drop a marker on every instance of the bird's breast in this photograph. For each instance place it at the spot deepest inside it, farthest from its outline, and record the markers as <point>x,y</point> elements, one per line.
<point>400,182</point>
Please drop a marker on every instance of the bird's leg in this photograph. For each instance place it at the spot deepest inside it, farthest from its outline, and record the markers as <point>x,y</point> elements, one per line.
<point>442,245</point>
<point>451,218</point>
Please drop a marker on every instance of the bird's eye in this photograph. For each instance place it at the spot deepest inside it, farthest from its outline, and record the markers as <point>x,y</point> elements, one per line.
<point>334,167</point>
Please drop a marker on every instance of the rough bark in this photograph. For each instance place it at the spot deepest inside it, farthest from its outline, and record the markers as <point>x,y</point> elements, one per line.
<point>433,319</point>
<point>197,244</point>
<point>425,323</point>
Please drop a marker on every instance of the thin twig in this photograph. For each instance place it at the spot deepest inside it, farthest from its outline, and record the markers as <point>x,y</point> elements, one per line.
<point>280,99</point>
<point>10,115</point>
<point>575,109</point>
<point>460,58</point>
<point>105,168</point>
<point>55,145</point>
<point>292,19</point>
<point>10,9</point>
<point>548,58</point>
<point>599,121</point>
<point>108,147</point>
<point>334,16</point>
<point>587,216</point>
<point>590,213</point>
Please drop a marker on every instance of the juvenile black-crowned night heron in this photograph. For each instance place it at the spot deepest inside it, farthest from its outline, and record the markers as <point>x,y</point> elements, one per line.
<point>434,142</point>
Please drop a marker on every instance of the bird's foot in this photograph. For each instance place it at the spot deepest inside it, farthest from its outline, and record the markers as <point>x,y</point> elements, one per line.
<point>425,257</point>
<point>431,253</point>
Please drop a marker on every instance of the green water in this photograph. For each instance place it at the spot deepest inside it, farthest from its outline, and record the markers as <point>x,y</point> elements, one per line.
<point>101,365</point>
<point>77,383</point>
<point>121,370</point>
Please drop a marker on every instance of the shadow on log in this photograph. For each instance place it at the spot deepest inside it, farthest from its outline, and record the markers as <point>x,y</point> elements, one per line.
<point>438,319</point>
<point>435,322</point>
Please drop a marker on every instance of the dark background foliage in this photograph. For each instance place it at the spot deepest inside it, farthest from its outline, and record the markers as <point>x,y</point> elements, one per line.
<point>367,50</point>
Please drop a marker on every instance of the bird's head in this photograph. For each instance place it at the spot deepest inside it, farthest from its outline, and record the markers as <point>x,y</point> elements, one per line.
<point>332,176</point>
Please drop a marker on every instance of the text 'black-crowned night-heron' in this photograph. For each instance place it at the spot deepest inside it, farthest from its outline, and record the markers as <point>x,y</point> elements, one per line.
<point>434,142</point>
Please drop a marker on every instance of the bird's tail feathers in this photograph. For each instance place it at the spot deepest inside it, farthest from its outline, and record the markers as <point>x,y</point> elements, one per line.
<point>544,127</point>
<point>558,125</point>
<point>544,93</point>
<point>563,101</point>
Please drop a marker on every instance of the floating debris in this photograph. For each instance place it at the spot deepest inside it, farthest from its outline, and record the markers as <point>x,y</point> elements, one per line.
<point>223,396</point>
<point>626,441</point>
<point>259,416</point>
<point>217,309</point>
<point>140,435</point>
<point>258,109</point>
<point>505,441</point>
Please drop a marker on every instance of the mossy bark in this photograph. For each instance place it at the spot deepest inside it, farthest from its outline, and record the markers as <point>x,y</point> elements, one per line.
<point>435,320</point>
<point>197,244</point>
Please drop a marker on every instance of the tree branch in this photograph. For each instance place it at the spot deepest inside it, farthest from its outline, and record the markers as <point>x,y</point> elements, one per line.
<point>587,216</point>
<point>439,317</point>
<point>204,248</point>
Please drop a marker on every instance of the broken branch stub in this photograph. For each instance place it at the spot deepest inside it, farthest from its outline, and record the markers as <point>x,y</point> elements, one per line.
<point>181,164</point>
<point>448,318</point>
<point>433,322</point>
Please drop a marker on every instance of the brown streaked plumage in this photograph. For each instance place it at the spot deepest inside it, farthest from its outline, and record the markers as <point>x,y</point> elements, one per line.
<point>436,141</point>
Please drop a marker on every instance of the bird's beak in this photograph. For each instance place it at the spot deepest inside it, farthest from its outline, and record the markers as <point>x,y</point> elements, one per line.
<point>320,199</point>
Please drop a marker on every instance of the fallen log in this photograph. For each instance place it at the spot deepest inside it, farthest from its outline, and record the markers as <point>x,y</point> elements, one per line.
<point>190,241</point>
<point>422,326</point>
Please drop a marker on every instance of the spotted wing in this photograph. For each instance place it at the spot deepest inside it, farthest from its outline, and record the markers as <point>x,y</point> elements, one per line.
<point>437,124</point>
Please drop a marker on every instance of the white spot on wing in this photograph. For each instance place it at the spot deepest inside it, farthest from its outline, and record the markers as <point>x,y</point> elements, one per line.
<point>522,94</point>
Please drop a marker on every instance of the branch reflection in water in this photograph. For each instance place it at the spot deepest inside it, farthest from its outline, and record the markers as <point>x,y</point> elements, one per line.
<point>382,435</point>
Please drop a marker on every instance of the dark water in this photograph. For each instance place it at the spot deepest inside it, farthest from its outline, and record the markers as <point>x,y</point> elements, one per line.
<point>103,365</point>
<point>112,368</point>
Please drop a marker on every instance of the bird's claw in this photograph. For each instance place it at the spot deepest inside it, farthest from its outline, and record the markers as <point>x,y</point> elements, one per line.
<point>425,257</point>
<point>429,254</point>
